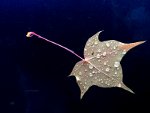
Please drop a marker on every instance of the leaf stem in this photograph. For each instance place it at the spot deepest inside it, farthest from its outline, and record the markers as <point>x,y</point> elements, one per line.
<point>30,34</point>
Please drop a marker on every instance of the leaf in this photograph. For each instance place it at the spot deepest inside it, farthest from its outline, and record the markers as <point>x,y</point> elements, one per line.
<point>101,66</point>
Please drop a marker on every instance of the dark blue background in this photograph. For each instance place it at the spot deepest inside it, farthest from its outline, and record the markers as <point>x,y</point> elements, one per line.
<point>33,73</point>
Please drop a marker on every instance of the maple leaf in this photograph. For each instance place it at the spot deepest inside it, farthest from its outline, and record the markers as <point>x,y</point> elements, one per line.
<point>101,65</point>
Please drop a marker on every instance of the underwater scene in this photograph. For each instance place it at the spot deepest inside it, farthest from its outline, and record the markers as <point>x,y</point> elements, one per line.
<point>74,56</point>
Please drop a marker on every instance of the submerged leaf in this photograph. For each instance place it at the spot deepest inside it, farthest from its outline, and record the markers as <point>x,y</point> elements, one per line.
<point>101,66</point>
<point>101,63</point>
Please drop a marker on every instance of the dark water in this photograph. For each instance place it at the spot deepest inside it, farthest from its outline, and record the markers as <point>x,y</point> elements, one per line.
<point>33,73</point>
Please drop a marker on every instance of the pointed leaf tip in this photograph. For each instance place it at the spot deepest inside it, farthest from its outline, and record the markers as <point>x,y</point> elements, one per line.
<point>140,42</point>
<point>126,88</point>
<point>129,46</point>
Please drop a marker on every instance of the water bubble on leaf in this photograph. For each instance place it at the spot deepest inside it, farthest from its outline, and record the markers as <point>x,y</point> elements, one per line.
<point>104,53</point>
<point>80,73</point>
<point>90,74</point>
<point>124,52</point>
<point>98,56</point>
<point>116,64</point>
<point>86,66</point>
<point>99,50</point>
<point>107,44</point>
<point>119,85</point>
<point>90,67</point>
<point>78,78</point>
<point>96,42</point>
<point>107,69</point>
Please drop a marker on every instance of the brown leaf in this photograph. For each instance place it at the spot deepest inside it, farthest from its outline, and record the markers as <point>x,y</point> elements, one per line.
<point>101,66</point>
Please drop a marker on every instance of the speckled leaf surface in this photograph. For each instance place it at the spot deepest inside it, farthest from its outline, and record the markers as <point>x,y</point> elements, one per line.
<point>101,66</point>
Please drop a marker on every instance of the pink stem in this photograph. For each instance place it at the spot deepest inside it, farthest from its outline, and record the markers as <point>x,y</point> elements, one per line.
<point>30,34</point>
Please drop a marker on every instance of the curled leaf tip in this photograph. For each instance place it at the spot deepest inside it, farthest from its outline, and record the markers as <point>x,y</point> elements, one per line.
<point>29,34</point>
<point>100,31</point>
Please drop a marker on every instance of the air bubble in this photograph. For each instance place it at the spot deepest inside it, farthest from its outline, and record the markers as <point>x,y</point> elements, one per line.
<point>119,85</point>
<point>107,69</point>
<point>124,52</point>
<point>90,74</point>
<point>99,50</point>
<point>107,44</point>
<point>96,42</point>
<point>90,66</point>
<point>116,64</point>
<point>80,73</point>
<point>104,54</point>
<point>98,56</point>
<point>77,78</point>
<point>105,63</point>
